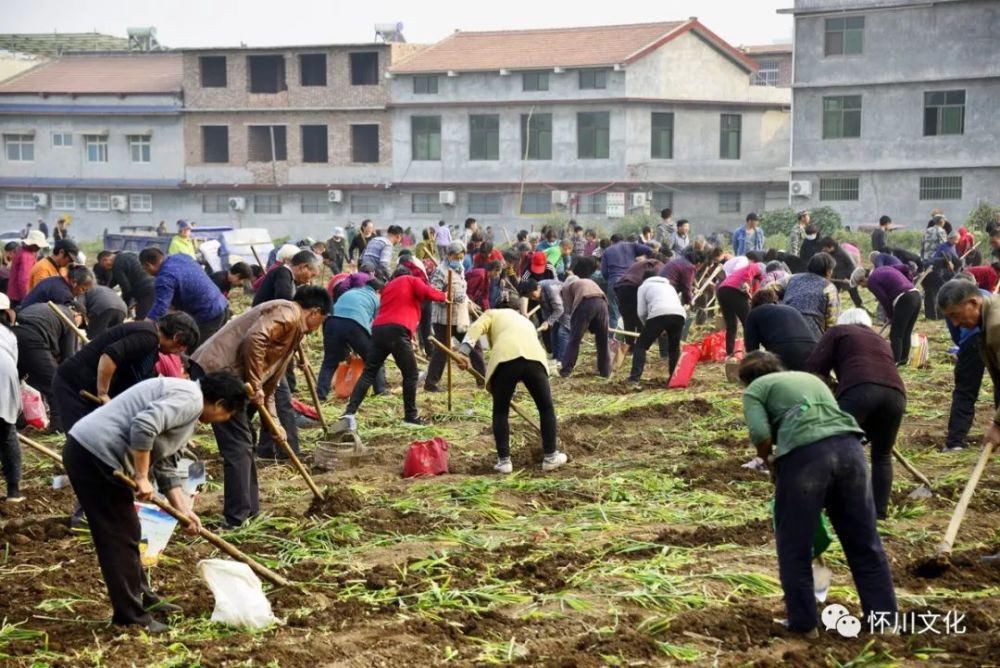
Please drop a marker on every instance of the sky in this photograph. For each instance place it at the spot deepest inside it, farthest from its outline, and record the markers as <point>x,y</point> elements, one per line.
<point>197,23</point>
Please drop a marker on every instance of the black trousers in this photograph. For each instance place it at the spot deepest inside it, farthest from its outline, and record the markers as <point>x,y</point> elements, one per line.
<point>266,447</point>
<point>102,322</point>
<point>70,404</point>
<point>439,360</point>
<point>794,353</point>
<point>37,366</point>
<point>535,378</point>
<point>628,306</point>
<point>828,474</point>
<point>209,327</point>
<point>932,283</point>
<point>591,315</point>
<point>424,331</point>
<point>879,411</point>
<point>669,327</point>
<point>904,318</point>
<point>341,335</point>
<point>114,527</point>
<point>10,458</point>
<point>143,301</point>
<point>389,340</point>
<point>735,307</point>
<point>241,495</point>
<point>969,369</point>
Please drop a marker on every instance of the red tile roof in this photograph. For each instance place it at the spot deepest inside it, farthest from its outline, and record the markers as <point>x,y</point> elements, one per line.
<point>101,74</point>
<point>557,47</point>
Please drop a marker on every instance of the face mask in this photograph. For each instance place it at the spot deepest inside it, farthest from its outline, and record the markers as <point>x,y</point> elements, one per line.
<point>810,237</point>
<point>455,264</point>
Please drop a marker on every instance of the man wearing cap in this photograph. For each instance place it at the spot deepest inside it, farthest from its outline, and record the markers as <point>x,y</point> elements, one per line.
<point>182,241</point>
<point>181,283</point>
<point>63,254</point>
<point>798,232</point>
<point>336,251</point>
<point>22,264</point>
<point>749,237</point>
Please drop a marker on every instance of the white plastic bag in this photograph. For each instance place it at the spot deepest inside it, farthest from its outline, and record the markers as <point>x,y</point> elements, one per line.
<point>239,597</point>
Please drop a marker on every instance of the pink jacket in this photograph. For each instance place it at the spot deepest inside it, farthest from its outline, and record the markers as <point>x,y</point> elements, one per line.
<point>20,271</point>
<point>749,274</point>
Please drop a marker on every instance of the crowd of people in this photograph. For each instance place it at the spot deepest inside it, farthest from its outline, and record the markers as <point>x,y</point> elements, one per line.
<point>153,339</point>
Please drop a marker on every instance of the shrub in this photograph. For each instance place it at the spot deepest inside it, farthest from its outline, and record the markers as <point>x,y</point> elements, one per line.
<point>633,224</point>
<point>981,216</point>
<point>780,221</point>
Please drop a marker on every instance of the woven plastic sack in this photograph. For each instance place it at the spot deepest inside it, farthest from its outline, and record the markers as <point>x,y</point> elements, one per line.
<point>239,597</point>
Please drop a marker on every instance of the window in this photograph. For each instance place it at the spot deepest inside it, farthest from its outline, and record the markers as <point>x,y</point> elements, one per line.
<point>19,201</point>
<point>314,143</point>
<point>62,139</point>
<point>215,143</point>
<point>426,137</point>
<point>842,117</point>
<point>312,69</point>
<point>485,203</point>
<point>20,148</point>
<point>97,148</point>
<point>98,202</point>
<point>767,74</point>
<point>266,143</point>
<point>315,203</point>
<point>213,71</point>
<point>215,204</point>
<point>729,136</point>
<point>364,69</point>
<point>662,142</point>
<point>64,201</point>
<point>534,81</point>
<point>729,202</point>
<point>662,199</point>
<point>944,113</point>
<point>267,74</point>
<point>536,136</point>
<point>425,85</point>
<point>593,134</point>
<point>139,148</point>
<point>838,189</point>
<point>593,79</point>
<point>536,202</point>
<point>267,203</point>
<point>425,203</point>
<point>364,143</point>
<point>484,137</point>
<point>844,36</point>
<point>140,203</point>
<point>365,203</point>
<point>593,203</point>
<point>940,187</point>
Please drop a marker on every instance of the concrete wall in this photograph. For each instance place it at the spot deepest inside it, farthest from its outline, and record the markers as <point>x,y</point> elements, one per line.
<point>492,87</point>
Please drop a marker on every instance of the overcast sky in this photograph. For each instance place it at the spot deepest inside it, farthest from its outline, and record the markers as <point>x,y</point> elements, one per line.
<point>181,23</point>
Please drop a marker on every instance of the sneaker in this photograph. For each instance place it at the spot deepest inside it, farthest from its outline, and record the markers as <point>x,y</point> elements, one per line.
<point>15,498</point>
<point>503,466</point>
<point>635,385</point>
<point>416,422</point>
<point>349,422</point>
<point>554,461</point>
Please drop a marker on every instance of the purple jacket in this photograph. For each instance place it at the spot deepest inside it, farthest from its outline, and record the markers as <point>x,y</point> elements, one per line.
<point>617,258</point>
<point>680,273</point>
<point>887,283</point>
<point>183,284</point>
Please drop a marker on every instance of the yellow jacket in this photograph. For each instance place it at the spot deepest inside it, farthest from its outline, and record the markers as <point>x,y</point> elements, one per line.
<point>181,245</point>
<point>511,336</point>
<point>44,268</point>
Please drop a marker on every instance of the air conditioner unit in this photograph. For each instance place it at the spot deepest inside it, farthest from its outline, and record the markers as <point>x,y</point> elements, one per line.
<point>335,196</point>
<point>237,203</point>
<point>638,200</point>
<point>119,203</point>
<point>800,188</point>
<point>447,197</point>
<point>41,199</point>
<point>560,197</point>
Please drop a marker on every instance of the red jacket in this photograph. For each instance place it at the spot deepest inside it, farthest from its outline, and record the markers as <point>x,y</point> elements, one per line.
<point>986,277</point>
<point>402,298</point>
<point>477,286</point>
<point>417,269</point>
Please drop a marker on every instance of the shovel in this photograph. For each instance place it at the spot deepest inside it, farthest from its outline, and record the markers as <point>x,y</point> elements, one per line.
<point>922,492</point>
<point>162,504</point>
<point>940,562</point>
<point>307,371</point>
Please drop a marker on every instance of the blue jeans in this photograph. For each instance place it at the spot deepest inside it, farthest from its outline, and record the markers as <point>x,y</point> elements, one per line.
<point>829,474</point>
<point>613,315</point>
<point>558,338</point>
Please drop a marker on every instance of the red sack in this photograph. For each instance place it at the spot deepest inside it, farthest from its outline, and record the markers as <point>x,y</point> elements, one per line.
<point>347,375</point>
<point>426,458</point>
<point>684,371</point>
<point>304,409</point>
<point>739,350</point>
<point>713,347</point>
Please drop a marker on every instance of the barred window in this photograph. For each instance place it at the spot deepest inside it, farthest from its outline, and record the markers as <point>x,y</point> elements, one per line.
<point>64,201</point>
<point>140,202</point>
<point>98,202</point>
<point>662,199</point>
<point>838,189</point>
<point>485,203</point>
<point>214,203</point>
<point>729,202</point>
<point>593,203</point>
<point>426,203</point>
<point>365,203</point>
<point>536,202</point>
<point>267,203</point>
<point>940,187</point>
<point>20,201</point>
<point>315,203</point>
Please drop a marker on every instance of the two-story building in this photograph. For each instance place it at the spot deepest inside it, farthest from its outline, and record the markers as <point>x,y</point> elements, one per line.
<point>591,123</point>
<point>895,107</point>
<point>96,137</point>
<point>296,139</point>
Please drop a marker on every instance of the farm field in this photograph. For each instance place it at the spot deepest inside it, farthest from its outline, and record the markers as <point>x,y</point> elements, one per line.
<point>652,547</point>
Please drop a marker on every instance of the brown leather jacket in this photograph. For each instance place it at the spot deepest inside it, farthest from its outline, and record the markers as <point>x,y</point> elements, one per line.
<point>257,345</point>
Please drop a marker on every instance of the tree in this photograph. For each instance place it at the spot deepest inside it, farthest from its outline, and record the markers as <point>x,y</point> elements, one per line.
<point>981,216</point>
<point>780,221</point>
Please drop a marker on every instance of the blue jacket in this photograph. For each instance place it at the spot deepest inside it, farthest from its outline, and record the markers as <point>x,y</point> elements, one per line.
<point>183,284</point>
<point>961,335</point>
<point>742,245</point>
<point>359,305</point>
<point>53,289</point>
<point>617,258</point>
